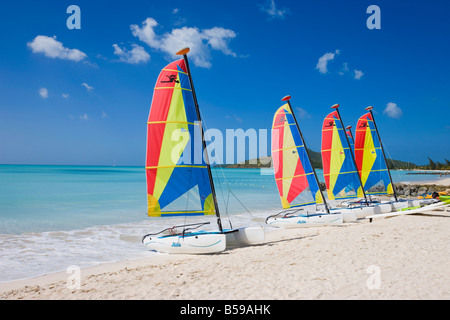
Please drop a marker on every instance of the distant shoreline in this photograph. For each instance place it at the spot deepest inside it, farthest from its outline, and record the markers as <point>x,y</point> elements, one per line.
<point>433,172</point>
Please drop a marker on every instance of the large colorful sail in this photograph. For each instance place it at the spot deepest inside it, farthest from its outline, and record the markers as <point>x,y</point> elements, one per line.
<point>369,158</point>
<point>294,174</point>
<point>177,176</point>
<point>340,173</point>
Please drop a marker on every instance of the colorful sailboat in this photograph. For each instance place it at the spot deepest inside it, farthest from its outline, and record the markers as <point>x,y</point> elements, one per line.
<point>339,169</point>
<point>179,178</point>
<point>340,172</point>
<point>372,164</point>
<point>295,177</point>
<point>370,158</point>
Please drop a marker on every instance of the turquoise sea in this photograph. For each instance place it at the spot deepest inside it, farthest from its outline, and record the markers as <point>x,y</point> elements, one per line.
<point>52,217</point>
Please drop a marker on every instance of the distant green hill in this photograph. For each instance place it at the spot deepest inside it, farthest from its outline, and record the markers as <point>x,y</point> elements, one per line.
<point>316,160</point>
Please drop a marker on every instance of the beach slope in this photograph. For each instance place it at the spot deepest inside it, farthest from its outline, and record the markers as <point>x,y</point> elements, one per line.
<point>406,257</point>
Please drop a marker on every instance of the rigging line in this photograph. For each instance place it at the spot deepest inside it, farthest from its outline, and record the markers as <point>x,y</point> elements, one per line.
<point>189,193</point>
<point>389,155</point>
<point>229,189</point>
<point>216,174</point>
<point>240,202</point>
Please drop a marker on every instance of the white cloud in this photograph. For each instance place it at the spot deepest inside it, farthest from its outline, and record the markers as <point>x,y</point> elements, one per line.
<point>65,95</point>
<point>175,11</point>
<point>344,68</point>
<point>135,56</point>
<point>43,92</point>
<point>271,9</point>
<point>217,39</point>
<point>393,111</point>
<point>358,74</point>
<point>322,64</point>
<point>88,87</point>
<point>302,113</point>
<point>104,114</point>
<point>84,116</point>
<point>52,48</point>
<point>199,41</point>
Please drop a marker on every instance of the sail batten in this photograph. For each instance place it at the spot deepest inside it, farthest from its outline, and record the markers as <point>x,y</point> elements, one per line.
<point>175,169</point>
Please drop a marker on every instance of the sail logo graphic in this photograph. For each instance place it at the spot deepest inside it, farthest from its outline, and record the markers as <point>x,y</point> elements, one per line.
<point>281,119</point>
<point>172,78</point>
<point>363,125</point>
<point>330,124</point>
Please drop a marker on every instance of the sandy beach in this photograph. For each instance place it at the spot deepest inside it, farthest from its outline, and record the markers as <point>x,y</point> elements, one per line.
<point>406,257</point>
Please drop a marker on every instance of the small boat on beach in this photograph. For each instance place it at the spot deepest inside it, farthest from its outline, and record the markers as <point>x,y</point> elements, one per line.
<point>372,166</point>
<point>444,203</point>
<point>339,169</point>
<point>295,177</point>
<point>178,183</point>
<point>359,176</point>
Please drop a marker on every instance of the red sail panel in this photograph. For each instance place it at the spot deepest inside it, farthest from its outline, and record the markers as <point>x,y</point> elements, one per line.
<point>360,139</point>
<point>327,141</point>
<point>158,113</point>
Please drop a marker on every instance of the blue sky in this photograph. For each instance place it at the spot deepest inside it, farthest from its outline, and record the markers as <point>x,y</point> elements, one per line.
<point>83,96</point>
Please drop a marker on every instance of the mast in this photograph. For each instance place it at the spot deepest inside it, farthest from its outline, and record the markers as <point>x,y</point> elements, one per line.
<point>382,151</point>
<point>184,53</point>
<point>349,128</point>
<point>287,98</point>
<point>336,106</point>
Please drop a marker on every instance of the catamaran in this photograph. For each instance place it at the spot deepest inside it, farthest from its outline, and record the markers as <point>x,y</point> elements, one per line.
<point>372,165</point>
<point>178,183</point>
<point>340,171</point>
<point>295,177</point>
<point>370,159</point>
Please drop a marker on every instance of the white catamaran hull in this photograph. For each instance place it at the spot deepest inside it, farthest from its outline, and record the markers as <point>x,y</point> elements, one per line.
<point>195,243</point>
<point>363,211</point>
<point>245,236</point>
<point>306,221</point>
<point>429,207</point>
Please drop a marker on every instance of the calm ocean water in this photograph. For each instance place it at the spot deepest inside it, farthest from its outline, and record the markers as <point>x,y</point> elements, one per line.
<point>52,217</point>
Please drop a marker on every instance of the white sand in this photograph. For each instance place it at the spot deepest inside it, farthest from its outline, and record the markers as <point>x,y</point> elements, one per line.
<point>406,257</point>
